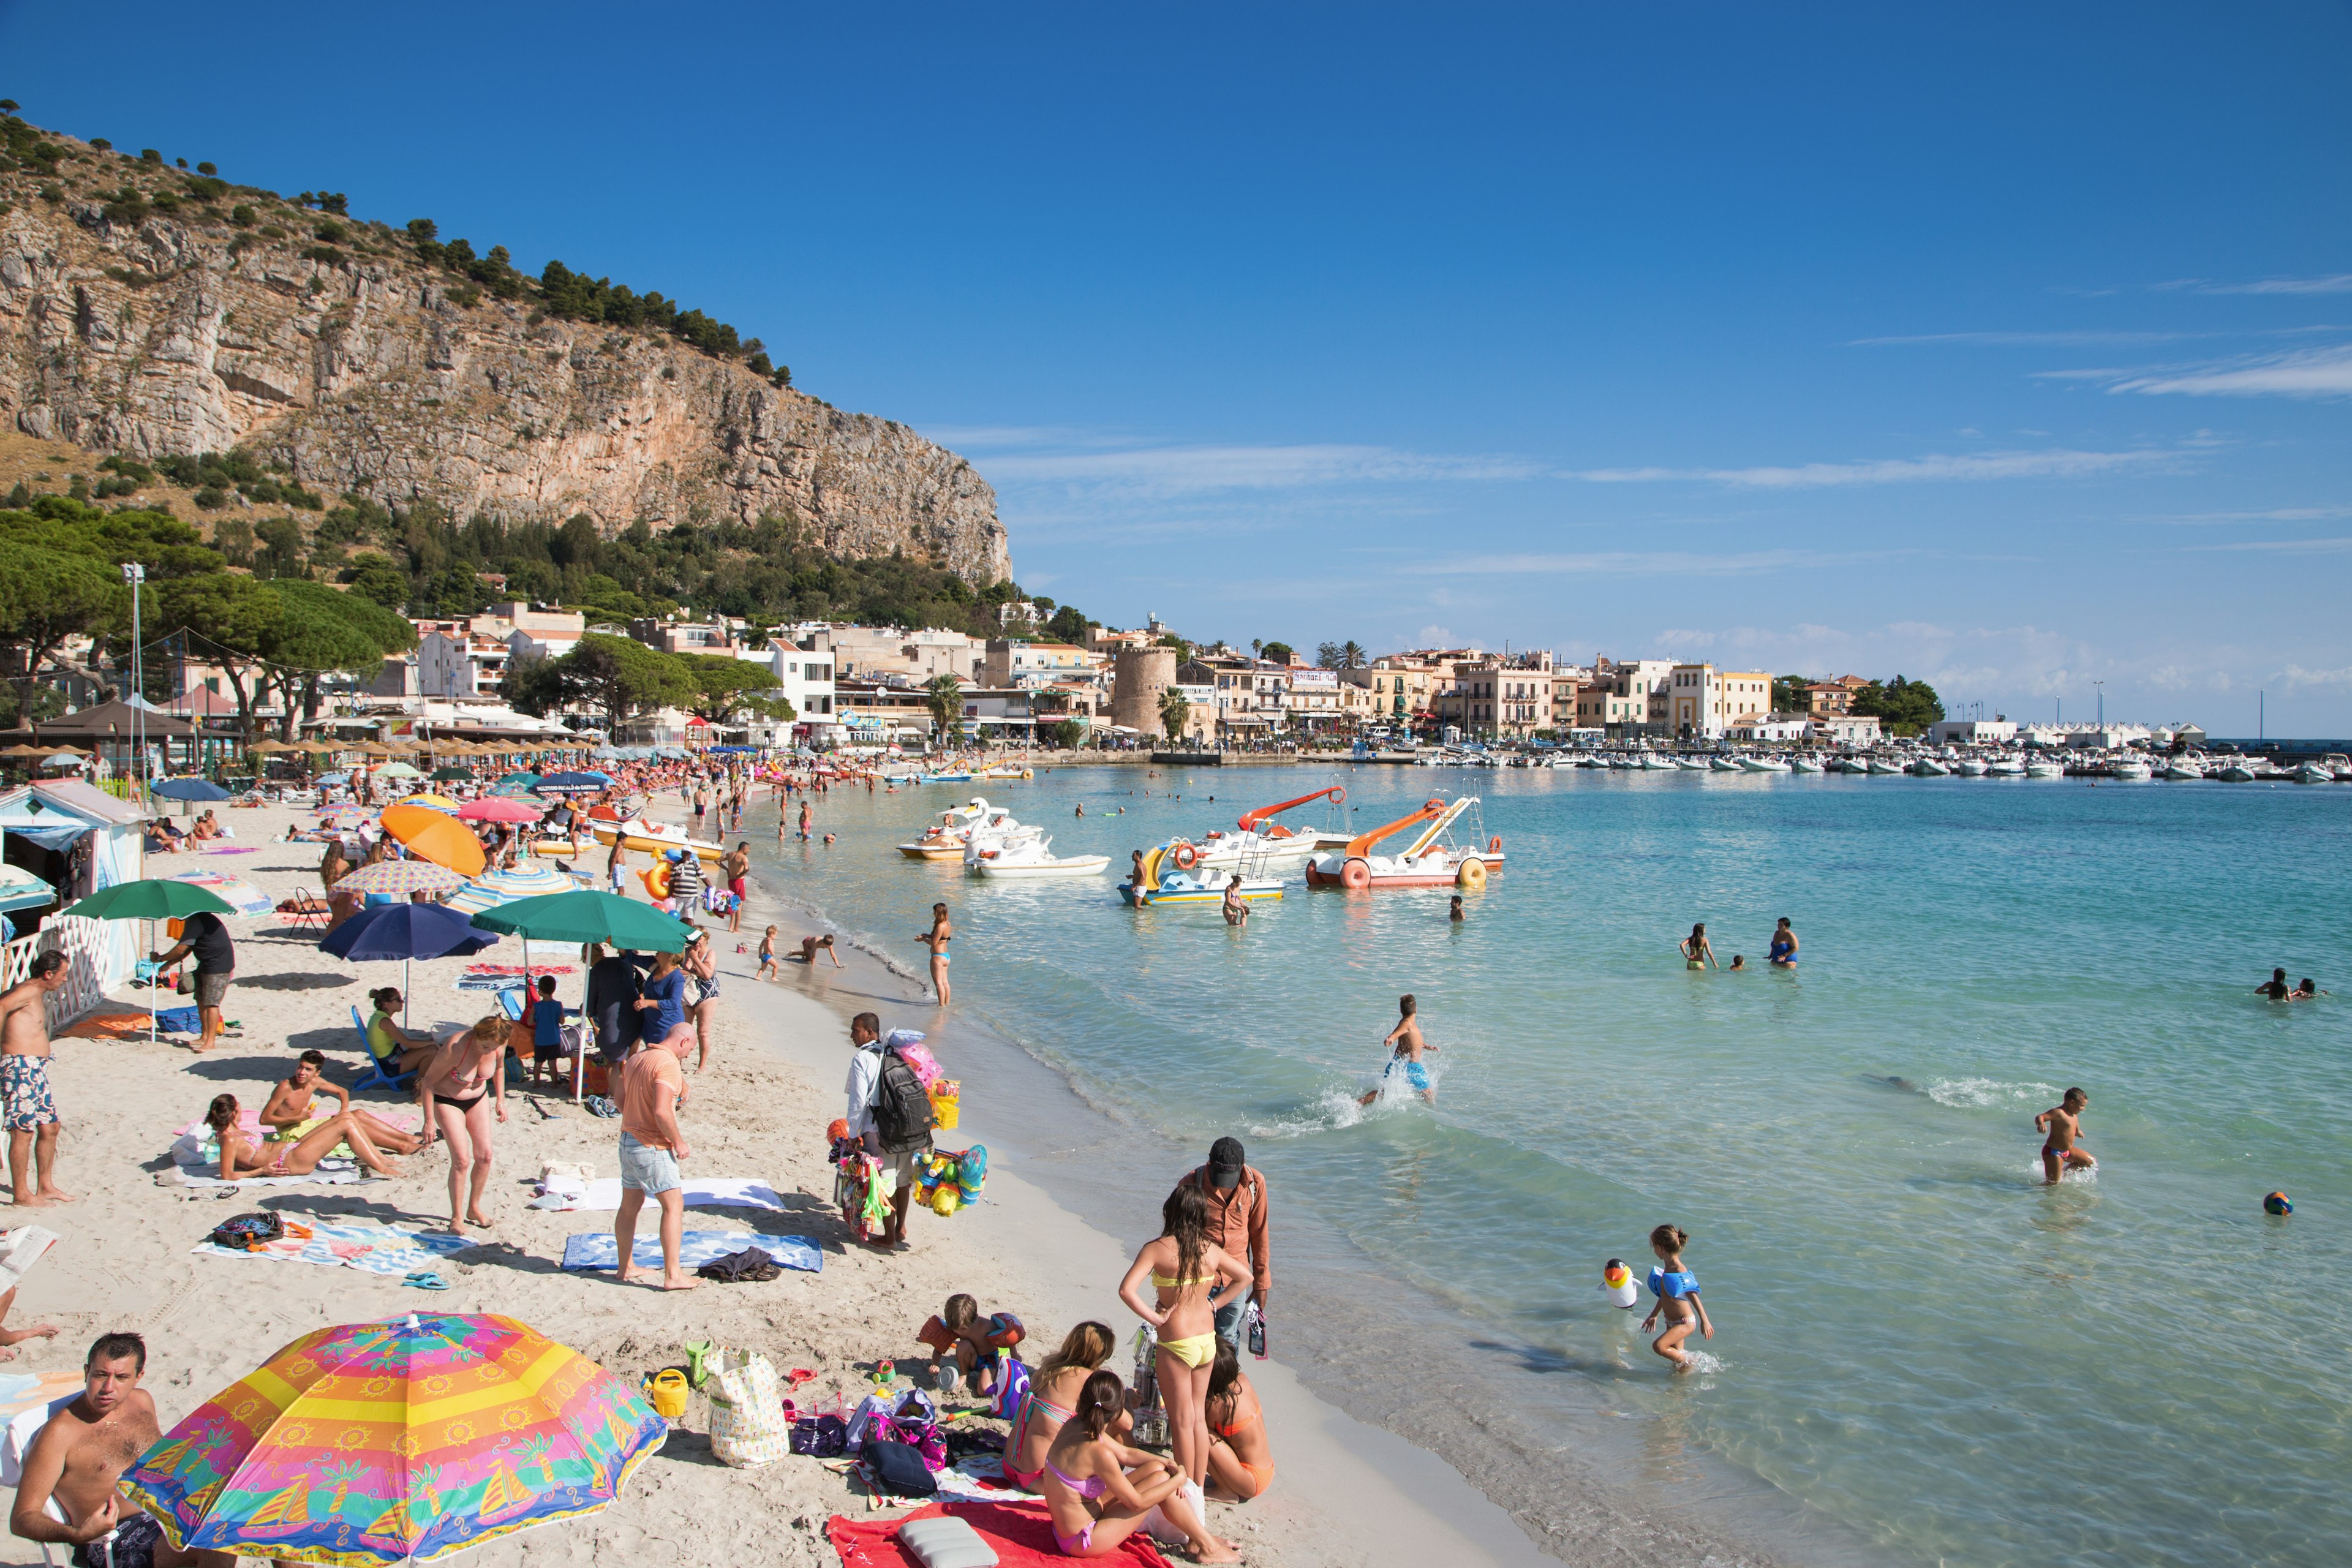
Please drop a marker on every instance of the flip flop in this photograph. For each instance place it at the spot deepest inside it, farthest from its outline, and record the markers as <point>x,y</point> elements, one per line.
<point>425,1280</point>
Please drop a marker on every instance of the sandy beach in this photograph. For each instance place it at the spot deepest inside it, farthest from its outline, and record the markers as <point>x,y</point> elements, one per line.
<point>1346,1493</point>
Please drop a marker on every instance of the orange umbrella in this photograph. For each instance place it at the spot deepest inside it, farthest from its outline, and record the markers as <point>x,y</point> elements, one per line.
<point>442,840</point>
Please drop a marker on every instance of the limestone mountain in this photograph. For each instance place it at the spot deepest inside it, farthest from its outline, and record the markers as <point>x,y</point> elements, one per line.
<point>148,311</point>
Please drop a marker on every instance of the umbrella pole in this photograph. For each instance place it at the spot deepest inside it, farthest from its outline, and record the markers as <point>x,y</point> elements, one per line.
<point>407,984</point>
<point>152,975</point>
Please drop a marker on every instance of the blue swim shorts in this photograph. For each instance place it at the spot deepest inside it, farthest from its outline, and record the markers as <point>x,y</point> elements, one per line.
<point>645,1170</point>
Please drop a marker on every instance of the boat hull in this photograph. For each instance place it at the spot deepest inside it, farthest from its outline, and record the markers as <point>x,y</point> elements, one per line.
<point>1074,865</point>
<point>658,846</point>
<point>1422,874</point>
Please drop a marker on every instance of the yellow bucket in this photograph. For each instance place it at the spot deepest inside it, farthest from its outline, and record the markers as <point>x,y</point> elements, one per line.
<point>667,1390</point>
<point>945,1095</point>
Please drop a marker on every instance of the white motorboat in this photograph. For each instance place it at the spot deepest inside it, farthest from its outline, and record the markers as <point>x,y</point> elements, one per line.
<point>1804,765</point>
<point>2131,768</point>
<point>2005,768</point>
<point>2237,772</point>
<point>2312,773</point>
<point>1033,857</point>
<point>2045,770</point>
<point>994,838</point>
<point>1970,768</point>
<point>1690,764</point>
<point>945,839</point>
<point>1880,765</point>
<point>1929,768</point>
<point>1724,765</point>
<point>2338,765</point>
<point>1657,764</point>
<point>1259,843</point>
<point>2183,768</point>
<point>1763,765</point>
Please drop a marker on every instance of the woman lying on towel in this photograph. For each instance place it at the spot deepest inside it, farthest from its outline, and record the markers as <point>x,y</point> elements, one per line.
<point>1097,1489</point>
<point>242,1156</point>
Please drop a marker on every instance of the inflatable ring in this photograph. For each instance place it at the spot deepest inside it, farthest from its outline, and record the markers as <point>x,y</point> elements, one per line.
<point>1187,856</point>
<point>1339,796</point>
<point>1471,876</point>
<point>1495,844</point>
<point>1356,873</point>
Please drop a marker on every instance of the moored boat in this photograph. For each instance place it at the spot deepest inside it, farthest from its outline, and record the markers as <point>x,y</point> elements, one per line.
<point>1034,856</point>
<point>1430,860</point>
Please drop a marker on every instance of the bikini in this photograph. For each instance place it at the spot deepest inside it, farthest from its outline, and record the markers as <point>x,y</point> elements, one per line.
<point>1087,1489</point>
<point>1029,1480</point>
<point>1262,1474</point>
<point>1194,1350</point>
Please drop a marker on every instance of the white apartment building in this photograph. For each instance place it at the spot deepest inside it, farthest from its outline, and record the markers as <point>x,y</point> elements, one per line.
<point>461,664</point>
<point>1973,731</point>
<point>1704,702</point>
<point>1843,729</point>
<point>803,677</point>
<point>1310,697</point>
<point>876,652</point>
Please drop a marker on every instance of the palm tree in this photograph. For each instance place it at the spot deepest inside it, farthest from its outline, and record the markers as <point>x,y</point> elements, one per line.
<point>1352,654</point>
<point>943,695</point>
<point>1174,710</point>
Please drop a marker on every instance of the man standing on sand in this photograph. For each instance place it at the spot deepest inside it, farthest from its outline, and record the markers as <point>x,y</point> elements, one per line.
<point>652,1083</point>
<point>1238,1212</point>
<point>862,1089</point>
<point>738,881</point>
<point>79,1458</point>
<point>31,1109</point>
<point>2064,1123</point>
<point>204,935</point>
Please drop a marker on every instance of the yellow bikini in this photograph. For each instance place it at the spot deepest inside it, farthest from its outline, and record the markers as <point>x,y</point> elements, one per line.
<point>1195,1350</point>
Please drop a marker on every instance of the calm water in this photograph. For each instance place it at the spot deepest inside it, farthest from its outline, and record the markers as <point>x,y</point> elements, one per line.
<point>1914,1338</point>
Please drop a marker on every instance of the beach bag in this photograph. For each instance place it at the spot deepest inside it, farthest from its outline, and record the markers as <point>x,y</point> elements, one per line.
<point>1012,1387</point>
<point>820,1437</point>
<point>902,1112</point>
<point>746,1411</point>
<point>249,1232</point>
<point>899,1469</point>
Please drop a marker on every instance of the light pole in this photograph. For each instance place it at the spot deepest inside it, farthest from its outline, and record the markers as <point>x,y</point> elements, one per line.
<point>2102,703</point>
<point>135,575</point>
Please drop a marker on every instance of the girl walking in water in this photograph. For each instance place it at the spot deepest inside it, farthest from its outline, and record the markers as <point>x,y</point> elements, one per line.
<point>1676,1288</point>
<point>1697,953</point>
<point>937,938</point>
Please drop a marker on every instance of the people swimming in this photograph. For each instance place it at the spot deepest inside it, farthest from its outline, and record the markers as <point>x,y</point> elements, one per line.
<point>2275,987</point>
<point>1454,910</point>
<point>1237,911</point>
<point>1738,963</point>
<point>1783,954</point>
<point>1697,953</point>
<point>2062,1123</point>
<point>1676,1288</point>
<point>2308,991</point>
<point>1406,1058</point>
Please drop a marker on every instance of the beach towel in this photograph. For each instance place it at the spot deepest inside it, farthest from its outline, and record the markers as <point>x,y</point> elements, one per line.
<point>178,1021</point>
<point>1021,1534</point>
<point>597,1249</point>
<point>604,1195</point>
<point>370,1248</point>
<point>329,1173</point>
<point>234,850</point>
<point>106,1027</point>
<point>20,1249</point>
<point>241,896</point>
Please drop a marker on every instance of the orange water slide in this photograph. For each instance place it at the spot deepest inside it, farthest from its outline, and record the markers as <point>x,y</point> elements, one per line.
<point>1361,845</point>
<point>1251,820</point>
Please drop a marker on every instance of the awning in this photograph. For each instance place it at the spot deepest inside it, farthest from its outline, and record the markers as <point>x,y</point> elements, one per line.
<point>20,889</point>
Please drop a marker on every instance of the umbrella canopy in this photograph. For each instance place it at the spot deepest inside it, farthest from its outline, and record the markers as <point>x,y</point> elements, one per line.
<point>20,750</point>
<point>440,803</point>
<point>239,894</point>
<point>400,878</point>
<point>587,783</point>
<point>589,917</point>
<point>450,774</point>
<point>405,931</point>
<point>398,771</point>
<point>188,789</point>
<point>496,808</point>
<point>438,838</point>
<point>491,890</point>
<point>408,1440</point>
<point>153,899</point>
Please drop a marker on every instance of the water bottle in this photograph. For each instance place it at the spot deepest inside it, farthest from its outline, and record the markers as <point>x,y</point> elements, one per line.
<point>1256,1331</point>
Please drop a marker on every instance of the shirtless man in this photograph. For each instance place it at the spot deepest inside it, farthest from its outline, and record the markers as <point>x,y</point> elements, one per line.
<point>31,1111</point>
<point>737,869</point>
<point>288,1109</point>
<point>813,945</point>
<point>1408,1047</point>
<point>2064,1123</point>
<point>2275,987</point>
<point>79,1458</point>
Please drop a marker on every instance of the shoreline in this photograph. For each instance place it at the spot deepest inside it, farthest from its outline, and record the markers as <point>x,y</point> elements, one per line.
<point>1571,1481</point>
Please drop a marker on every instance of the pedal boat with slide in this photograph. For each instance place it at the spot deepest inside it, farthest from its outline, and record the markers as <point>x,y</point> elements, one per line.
<point>1430,860</point>
<point>1261,844</point>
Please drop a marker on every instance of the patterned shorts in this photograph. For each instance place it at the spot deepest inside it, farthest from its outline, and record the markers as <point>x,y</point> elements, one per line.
<point>24,1091</point>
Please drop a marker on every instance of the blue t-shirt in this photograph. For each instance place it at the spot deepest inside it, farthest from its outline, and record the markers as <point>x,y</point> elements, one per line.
<point>670,992</point>
<point>547,1022</point>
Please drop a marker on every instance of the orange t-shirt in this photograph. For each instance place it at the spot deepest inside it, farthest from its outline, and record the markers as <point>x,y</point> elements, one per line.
<point>644,1078</point>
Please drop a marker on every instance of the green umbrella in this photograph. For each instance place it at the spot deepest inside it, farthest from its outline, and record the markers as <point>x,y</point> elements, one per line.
<point>588,917</point>
<point>152,900</point>
<point>445,776</point>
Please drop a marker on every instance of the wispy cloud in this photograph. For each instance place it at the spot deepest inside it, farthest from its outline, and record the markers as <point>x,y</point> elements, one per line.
<point>2052,463</point>
<point>2029,340</point>
<point>2312,372</point>
<point>1633,564</point>
<point>2335,546</point>
<point>2335,283</point>
<point>2276,514</point>
<point>1168,470</point>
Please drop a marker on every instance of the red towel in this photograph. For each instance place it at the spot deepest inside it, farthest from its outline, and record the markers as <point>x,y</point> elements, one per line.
<point>1022,1535</point>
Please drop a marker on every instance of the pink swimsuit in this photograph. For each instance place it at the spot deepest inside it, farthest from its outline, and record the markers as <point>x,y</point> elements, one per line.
<point>1091,1488</point>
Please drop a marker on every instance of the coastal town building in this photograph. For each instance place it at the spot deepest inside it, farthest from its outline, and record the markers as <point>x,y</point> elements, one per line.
<point>1310,700</point>
<point>1629,699</point>
<point>1402,686</point>
<point>1013,662</point>
<point>1830,697</point>
<point>1704,703</point>
<point>1844,729</point>
<point>451,663</point>
<point>1498,696</point>
<point>1972,731</point>
<point>1770,728</point>
<point>875,652</point>
<point>715,638</point>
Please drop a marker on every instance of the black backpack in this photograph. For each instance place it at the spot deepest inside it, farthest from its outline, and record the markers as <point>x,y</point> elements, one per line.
<point>902,1110</point>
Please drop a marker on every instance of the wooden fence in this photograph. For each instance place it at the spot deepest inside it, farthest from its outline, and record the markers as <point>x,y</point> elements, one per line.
<point>85,944</point>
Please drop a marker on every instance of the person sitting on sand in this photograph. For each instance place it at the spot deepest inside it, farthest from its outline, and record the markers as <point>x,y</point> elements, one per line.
<point>396,1050</point>
<point>977,1344</point>
<point>160,838</point>
<point>813,945</point>
<point>2063,1124</point>
<point>203,828</point>
<point>288,1112</point>
<point>1241,1460</point>
<point>1097,1489</point>
<point>2275,987</point>
<point>1053,1391</point>
<point>241,1156</point>
<point>1676,1288</point>
<point>77,1460</point>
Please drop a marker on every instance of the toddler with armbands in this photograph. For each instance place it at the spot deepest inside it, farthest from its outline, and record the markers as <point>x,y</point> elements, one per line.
<point>1676,1288</point>
<point>964,1343</point>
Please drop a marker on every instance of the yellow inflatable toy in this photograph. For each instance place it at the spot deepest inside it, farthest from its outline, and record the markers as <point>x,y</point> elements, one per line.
<point>657,881</point>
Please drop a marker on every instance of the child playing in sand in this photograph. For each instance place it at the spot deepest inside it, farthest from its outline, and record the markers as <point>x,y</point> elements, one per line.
<point>960,1333</point>
<point>1676,1288</point>
<point>767,970</point>
<point>813,945</point>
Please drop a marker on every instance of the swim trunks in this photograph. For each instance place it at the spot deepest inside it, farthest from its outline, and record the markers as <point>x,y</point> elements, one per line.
<point>24,1091</point>
<point>211,989</point>
<point>1414,1073</point>
<point>133,1546</point>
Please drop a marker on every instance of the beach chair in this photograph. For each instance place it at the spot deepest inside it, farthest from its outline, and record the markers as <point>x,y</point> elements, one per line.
<point>376,1078</point>
<point>303,914</point>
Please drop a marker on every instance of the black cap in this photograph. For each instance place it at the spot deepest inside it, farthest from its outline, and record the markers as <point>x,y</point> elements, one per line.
<point>1225,1163</point>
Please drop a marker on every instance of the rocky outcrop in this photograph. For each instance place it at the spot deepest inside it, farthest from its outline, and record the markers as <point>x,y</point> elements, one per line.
<point>365,372</point>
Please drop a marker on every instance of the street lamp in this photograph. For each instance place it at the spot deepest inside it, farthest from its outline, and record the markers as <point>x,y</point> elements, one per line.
<point>2102,686</point>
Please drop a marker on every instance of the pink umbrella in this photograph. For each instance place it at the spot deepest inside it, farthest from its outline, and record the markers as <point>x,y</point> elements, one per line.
<point>498,808</point>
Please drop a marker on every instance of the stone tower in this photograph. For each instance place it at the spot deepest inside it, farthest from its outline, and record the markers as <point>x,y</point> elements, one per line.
<point>1138,676</point>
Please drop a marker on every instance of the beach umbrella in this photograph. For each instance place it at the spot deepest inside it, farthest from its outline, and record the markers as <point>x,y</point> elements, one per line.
<point>440,803</point>
<point>407,932</point>
<point>451,774</point>
<point>398,878</point>
<point>188,789</point>
<point>397,1442</point>
<point>496,808</point>
<point>513,783</point>
<point>589,916</point>
<point>151,899</point>
<point>440,839</point>
<point>398,771</point>
<point>585,783</point>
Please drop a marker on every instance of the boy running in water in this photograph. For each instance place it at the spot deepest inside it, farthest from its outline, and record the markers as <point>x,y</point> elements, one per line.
<point>2064,1123</point>
<point>1409,1046</point>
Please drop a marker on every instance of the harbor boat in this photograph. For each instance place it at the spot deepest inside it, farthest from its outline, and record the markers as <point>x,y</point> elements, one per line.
<point>1655,764</point>
<point>1723,766</point>
<point>1691,764</point>
<point>1167,882</point>
<point>945,839</point>
<point>2045,769</point>
<point>1430,860</point>
<point>2132,768</point>
<point>1929,768</point>
<point>1763,765</point>
<point>1034,856</point>
<point>2237,772</point>
<point>1970,768</point>
<point>1880,765</point>
<point>2184,768</point>
<point>2005,768</point>
<point>1803,765</point>
<point>2312,773</point>
<point>654,838</point>
<point>2339,766</point>
<point>1259,841</point>
<point>945,778</point>
<point>1006,772</point>
<point>997,835</point>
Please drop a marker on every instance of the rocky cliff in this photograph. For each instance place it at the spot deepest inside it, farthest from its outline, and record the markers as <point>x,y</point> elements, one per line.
<point>145,312</point>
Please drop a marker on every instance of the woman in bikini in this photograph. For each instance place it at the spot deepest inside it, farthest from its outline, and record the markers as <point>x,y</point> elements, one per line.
<point>937,938</point>
<point>241,1156</point>
<point>1696,952</point>
<point>464,1085</point>
<point>1676,1288</point>
<point>1241,1461</point>
<point>703,962</point>
<point>1194,1277</point>
<point>1053,1393</point>
<point>1097,1489</point>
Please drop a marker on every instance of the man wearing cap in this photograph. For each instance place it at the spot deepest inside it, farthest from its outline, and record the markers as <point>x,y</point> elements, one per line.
<point>1238,1208</point>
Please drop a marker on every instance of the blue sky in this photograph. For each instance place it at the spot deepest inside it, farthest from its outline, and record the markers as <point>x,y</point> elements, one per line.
<point>2011,347</point>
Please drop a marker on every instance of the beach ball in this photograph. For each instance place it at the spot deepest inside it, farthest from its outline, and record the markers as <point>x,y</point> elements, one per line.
<point>2277,1204</point>
<point>837,1130</point>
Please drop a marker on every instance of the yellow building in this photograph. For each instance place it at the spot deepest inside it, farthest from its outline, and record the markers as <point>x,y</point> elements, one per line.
<point>1704,702</point>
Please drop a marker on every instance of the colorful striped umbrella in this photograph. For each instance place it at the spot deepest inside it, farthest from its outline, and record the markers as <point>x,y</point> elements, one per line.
<point>400,878</point>
<point>495,888</point>
<point>368,1445</point>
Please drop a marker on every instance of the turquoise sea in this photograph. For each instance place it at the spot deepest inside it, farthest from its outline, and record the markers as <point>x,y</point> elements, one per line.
<point>1921,1351</point>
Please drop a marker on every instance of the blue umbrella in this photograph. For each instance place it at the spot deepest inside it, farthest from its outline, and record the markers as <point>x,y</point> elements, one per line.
<point>406,932</point>
<point>188,789</point>
<point>587,783</point>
